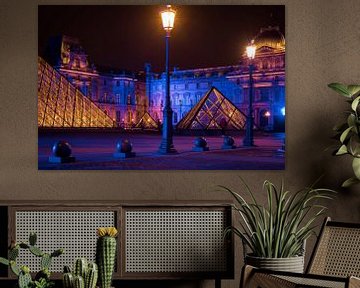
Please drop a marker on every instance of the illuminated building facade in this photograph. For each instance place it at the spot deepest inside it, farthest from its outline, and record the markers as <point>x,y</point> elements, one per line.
<point>61,105</point>
<point>117,92</point>
<point>189,86</point>
<point>126,97</point>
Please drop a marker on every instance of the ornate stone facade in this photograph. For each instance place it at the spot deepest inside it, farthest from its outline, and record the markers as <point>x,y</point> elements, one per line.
<point>188,86</point>
<point>125,97</point>
<point>118,93</point>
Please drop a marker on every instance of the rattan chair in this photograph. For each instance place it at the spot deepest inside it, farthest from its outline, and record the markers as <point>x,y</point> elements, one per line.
<point>334,263</point>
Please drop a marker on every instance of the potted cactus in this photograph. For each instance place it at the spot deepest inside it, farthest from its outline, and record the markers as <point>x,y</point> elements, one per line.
<point>42,278</point>
<point>84,275</point>
<point>106,254</point>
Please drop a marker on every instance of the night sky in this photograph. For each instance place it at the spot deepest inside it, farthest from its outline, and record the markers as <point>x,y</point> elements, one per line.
<point>127,36</point>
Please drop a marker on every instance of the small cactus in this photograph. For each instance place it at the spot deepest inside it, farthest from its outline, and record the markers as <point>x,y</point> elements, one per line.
<point>79,282</point>
<point>68,280</point>
<point>67,269</point>
<point>45,261</point>
<point>91,276</point>
<point>4,261</point>
<point>106,254</point>
<point>36,251</point>
<point>24,245</point>
<point>14,268</point>
<point>42,278</point>
<point>13,253</point>
<point>57,252</point>
<point>25,269</point>
<point>32,239</point>
<point>24,280</point>
<point>80,268</point>
<point>89,272</point>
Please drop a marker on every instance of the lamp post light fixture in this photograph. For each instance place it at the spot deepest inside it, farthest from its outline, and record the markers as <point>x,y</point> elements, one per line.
<point>249,134</point>
<point>167,146</point>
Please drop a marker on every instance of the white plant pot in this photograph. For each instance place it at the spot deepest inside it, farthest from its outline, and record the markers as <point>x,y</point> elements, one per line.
<point>291,264</point>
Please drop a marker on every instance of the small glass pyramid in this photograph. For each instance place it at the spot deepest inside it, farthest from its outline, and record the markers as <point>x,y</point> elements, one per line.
<point>213,111</point>
<point>147,122</point>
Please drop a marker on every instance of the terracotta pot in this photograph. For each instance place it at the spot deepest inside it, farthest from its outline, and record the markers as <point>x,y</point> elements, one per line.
<point>291,264</point>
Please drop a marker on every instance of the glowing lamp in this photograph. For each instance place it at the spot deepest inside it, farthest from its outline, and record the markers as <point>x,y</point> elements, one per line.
<point>251,50</point>
<point>283,111</point>
<point>267,114</point>
<point>249,133</point>
<point>168,18</point>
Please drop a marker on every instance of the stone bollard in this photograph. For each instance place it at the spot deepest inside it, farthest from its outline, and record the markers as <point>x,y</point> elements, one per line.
<point>200,144</point>
<point>123,149</point>
<point>61,153</point>
<point>229,143</point>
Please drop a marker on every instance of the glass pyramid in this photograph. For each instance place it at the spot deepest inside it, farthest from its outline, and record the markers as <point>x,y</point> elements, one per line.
<point>213,111</point>
<point>147,122</point>
<point>60,104</point>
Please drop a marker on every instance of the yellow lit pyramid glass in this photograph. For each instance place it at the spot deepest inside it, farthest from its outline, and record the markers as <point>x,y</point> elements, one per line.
<point>213,111</point>
<point>147,122</point>
<point>60,104</point>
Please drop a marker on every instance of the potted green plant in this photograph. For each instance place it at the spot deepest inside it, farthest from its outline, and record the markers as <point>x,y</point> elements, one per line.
<point>276,233</point>
<point>348,132</point>
<point>42,278</point>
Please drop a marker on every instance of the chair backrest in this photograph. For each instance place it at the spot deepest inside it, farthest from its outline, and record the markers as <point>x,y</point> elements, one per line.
<point>337,251</point>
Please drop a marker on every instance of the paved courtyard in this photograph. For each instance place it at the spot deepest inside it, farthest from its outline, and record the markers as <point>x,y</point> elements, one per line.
<point>94,151</point>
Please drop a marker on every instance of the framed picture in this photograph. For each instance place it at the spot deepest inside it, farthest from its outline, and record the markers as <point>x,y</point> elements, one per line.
<point>148,87</point>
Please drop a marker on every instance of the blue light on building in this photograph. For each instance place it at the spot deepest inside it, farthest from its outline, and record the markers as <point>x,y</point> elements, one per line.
<point>126,97</point>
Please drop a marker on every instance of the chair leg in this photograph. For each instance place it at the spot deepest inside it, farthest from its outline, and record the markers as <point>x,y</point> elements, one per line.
<point>354,282</point>
<point>246,273</point>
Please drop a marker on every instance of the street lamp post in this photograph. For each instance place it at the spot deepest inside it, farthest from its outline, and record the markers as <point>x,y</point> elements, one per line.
<point>249,134</point>
<point>167,146</point>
